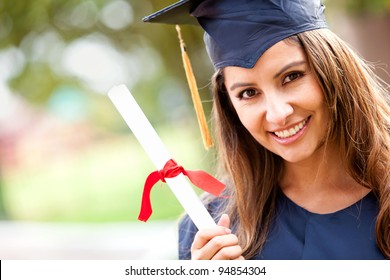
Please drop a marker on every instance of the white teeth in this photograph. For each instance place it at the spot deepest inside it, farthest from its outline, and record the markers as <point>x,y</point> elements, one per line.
<point>290,132</point>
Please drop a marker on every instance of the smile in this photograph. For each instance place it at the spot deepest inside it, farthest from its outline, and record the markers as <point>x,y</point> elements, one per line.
<point>292,131</point>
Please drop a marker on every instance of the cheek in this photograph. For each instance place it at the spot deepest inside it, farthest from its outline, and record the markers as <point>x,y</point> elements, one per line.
<point>316,95</point>
<point>250,117</point>
<point>315,103</point>
<point>244,114</point>
<point>310,98</point>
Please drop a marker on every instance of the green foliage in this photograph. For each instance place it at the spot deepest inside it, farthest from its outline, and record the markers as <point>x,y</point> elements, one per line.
<point>101,184</point>
<point>367,6</point>
<point>23,24</point>
<point>96,186</point>
<point>37,82</point>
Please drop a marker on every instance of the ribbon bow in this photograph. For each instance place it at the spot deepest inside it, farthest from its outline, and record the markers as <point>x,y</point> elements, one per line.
<point>199,178</point>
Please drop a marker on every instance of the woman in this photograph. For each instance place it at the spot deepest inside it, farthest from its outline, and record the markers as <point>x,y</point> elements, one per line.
<point>335,160</point>
<point>303,144</point>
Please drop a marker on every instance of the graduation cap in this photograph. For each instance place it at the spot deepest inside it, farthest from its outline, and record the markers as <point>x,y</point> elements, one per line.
<point>238,32</point>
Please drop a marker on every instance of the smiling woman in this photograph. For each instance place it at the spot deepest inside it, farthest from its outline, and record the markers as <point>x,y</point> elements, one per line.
<point>280,102</point>
<point>304,141</point>
<point>302,131</point>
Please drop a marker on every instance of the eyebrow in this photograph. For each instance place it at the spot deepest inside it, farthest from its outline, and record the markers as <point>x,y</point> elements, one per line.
<point>280,72</point>
<point>238,85</point>
<point>288,66</point>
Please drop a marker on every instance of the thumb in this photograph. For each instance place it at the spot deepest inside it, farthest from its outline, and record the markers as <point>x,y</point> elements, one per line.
<point>224,221</point>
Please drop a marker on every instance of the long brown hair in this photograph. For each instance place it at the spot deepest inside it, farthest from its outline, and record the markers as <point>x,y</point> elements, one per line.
<point>359,122</point>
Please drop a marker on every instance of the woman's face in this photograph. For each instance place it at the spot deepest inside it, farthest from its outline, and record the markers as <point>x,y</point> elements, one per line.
<point>280,102</point>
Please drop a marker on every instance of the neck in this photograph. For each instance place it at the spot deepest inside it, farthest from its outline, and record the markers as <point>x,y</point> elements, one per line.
<point>316,173</point>
<point>321,184</point>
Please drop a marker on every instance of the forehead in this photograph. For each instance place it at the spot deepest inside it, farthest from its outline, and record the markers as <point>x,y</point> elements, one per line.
<point>275,58</point>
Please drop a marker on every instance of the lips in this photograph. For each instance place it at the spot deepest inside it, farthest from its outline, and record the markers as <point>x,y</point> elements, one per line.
<point>291,131</point>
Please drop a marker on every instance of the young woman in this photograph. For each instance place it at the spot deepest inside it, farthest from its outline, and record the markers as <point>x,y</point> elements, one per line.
<point>302,128</point>
<point>304,144</point>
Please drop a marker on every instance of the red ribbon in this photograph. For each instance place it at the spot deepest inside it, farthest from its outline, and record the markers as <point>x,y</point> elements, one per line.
<point>199,178</point>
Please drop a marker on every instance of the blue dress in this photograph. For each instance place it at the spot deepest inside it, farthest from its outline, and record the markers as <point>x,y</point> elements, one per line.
<point>296,233</point>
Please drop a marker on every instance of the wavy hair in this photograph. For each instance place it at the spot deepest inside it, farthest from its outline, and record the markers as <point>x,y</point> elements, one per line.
<point>359,109</point>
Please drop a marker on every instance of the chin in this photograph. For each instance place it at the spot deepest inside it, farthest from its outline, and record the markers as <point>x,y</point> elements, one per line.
<point>294,157</point>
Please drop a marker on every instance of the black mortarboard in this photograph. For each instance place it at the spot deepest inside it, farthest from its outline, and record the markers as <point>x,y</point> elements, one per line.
<point>238,32</point>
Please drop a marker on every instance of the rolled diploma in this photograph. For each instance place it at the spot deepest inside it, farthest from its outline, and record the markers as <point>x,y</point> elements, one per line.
<point>158,153</point>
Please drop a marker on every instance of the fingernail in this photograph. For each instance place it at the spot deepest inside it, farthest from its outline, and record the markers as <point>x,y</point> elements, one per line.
<point>228,230</point>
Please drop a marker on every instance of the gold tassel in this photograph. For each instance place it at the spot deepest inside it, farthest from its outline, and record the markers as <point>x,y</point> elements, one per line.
<point>207,140</point>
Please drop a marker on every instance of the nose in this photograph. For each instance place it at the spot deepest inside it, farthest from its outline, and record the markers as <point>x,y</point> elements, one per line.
<point>278,109</point>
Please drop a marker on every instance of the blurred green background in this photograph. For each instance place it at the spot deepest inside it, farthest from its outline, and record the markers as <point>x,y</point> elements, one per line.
<point>66,155</point>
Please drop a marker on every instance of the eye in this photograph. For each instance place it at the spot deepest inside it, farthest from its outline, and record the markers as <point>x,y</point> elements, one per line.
<point>247,94</point>
<point>291,77</point>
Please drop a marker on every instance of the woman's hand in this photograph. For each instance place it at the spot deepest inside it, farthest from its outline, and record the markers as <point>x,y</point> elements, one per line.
<point>217,243</point>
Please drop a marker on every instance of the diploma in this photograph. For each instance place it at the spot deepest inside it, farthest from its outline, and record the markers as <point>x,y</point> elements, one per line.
<point>158,153</point>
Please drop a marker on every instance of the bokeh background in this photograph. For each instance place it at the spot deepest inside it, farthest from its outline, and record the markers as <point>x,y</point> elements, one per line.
<point>71,172</point>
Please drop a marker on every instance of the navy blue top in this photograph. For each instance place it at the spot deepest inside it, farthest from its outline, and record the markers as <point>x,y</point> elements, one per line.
<point>299,234</point>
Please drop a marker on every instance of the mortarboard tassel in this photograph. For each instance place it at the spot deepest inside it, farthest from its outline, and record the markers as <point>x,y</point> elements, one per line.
<point>207,141</point>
